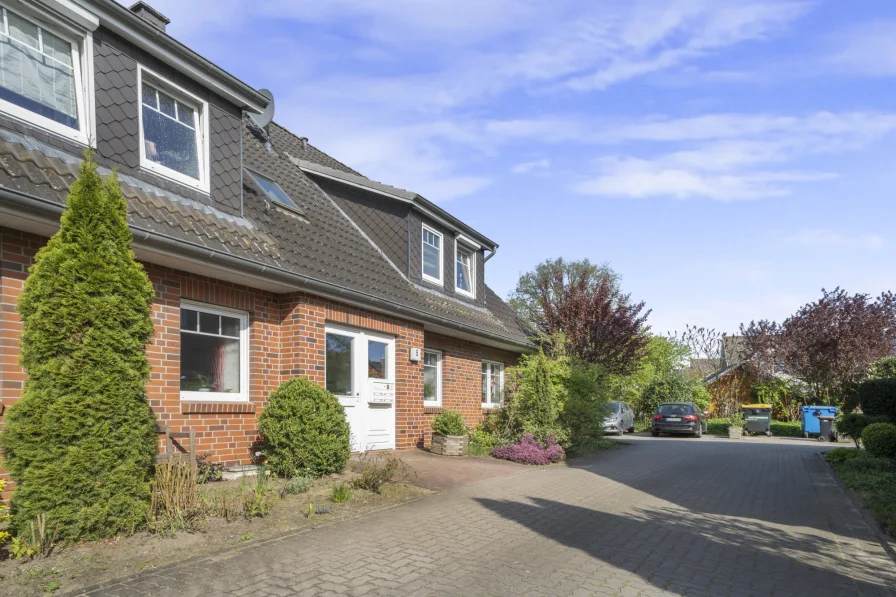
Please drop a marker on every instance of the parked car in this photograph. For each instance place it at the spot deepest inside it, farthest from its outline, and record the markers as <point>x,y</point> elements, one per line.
<point>620,419</point>
<point>679,417</point>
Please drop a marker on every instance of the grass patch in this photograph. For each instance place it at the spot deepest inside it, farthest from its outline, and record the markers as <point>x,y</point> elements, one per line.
<point>873,480</point>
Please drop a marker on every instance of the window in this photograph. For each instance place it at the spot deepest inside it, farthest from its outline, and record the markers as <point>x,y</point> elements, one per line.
<point>273,190</point>
<point>464,270</point>
<point>432,255</point>
<point>339,364</point>
<point>432,378</point>
<point>40,75</point>
<point>172,132</point>
<point>213,354</point>
<point>492,384</point>
<point>377,360</point>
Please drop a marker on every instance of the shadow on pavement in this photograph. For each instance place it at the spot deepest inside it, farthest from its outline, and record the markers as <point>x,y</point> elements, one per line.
<point>701,555</point>
<point>768,482</point>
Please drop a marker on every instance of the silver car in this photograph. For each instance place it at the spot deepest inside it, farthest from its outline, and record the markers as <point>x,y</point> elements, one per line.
<point>620,418</point>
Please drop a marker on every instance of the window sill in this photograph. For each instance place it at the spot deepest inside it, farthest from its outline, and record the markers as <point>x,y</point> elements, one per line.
<point>193,406</point>
<point>433,281</point>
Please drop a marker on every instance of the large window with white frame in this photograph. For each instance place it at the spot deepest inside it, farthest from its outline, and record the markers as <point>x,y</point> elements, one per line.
<point>432,255</point>
<point>43,66</point>
<point>214,353</point>
<point>492,384</point>
<point>432,377</point>
<point>465,270</point>
<point>173,131</point>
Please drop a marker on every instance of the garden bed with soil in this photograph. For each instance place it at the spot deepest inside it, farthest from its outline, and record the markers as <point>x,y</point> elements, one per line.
<point>86,564</point>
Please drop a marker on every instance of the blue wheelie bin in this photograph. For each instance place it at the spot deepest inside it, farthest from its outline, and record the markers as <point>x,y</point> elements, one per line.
<point>811,422</point>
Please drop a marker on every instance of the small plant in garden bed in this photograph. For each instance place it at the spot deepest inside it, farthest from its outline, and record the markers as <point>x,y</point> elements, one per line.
<point>449,422</point>
<point>175,503</point>
<point>341,493</point>
<point>527,450</point>
<point>260,500</point>
<point>376,471</point>
<point>298,484</point>
<point>208,471</point>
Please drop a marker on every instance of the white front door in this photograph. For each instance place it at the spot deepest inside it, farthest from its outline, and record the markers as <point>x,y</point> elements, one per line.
<point>360,371</point>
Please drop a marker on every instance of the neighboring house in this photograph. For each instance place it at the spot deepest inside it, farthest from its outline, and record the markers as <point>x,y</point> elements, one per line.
<point>727,376</point>
<point>270,259</point>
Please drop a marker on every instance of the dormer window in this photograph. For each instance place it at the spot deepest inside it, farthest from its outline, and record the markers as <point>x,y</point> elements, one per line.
<point>464,270</point>
<point>40,75</point>
<point>173,130</point>
<point>432,255</point>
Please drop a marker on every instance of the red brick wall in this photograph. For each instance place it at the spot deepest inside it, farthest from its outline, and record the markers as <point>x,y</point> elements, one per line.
<point>286,340</point>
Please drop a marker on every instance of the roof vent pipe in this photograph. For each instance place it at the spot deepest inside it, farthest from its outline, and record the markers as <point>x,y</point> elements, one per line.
<point>150,15</point>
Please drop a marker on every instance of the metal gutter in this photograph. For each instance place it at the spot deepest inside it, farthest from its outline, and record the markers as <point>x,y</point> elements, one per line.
<point>154,241</point>
<point>130,26</point>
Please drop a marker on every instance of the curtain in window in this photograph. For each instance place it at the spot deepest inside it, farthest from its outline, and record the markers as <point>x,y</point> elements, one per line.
<point>37,76</point>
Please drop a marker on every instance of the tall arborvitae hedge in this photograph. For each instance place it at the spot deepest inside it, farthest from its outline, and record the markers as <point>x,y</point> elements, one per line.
<point>80,442</point>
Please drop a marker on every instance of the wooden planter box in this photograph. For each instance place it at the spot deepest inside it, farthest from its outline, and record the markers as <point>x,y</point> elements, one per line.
<point>735,432</point>
<point>449,445</point>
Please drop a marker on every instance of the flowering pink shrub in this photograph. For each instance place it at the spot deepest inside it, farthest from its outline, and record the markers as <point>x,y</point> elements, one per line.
<point>527,450</point>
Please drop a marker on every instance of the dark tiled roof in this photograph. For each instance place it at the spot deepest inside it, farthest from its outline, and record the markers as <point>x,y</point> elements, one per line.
<point>301,149</point>
<point>324,245</point>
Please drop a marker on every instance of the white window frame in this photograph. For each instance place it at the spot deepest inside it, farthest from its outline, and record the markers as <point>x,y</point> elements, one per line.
<point>82,62</point>
<point>472,253</point>
<point>426,276</point>
<point>491,403</point>
<point>438,401</point>
<point>243,394</point>
<point>200,107</point>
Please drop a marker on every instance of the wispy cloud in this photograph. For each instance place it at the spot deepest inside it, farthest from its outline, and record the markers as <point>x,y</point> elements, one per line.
<point>526,167</point>
<point>868,49</point>
<point>819,238</point>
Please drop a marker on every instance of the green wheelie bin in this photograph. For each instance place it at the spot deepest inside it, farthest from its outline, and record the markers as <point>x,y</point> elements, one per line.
<point>757,419</point>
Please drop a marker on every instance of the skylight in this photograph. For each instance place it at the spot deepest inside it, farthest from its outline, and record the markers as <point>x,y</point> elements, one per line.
<point>273,190</point>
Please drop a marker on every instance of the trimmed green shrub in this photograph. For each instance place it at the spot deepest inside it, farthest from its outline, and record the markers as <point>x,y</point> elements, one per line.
<point>878,398</point>
<point>449,422</point>
<point>303,430</point>
<point>851,425</point>
<point>879,440</point>
<point>341,493</point>
<point>717,426</point>
<point>787,429</point>
<point>840,455</point>
<point>80,442</point>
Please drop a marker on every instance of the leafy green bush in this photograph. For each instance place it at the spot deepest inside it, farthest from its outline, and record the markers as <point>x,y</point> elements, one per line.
<point>304,431</point>
<point>851,425</point>
<point>840,455</point>
<point>449,422</point>
<point>879,440</point>
<point>341,493</point>
<point>298,484</point>
<point>80,442</point>
<point>787,429</point>
<point>717,426</point>
<point>481,443</point>
<point>878,398</point>
<point>884,368</point>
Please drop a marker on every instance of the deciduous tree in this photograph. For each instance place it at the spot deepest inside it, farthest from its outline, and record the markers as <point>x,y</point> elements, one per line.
<point>583,303</point>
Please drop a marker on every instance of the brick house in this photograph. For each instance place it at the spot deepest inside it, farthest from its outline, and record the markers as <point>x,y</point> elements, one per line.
<point>269,258</point>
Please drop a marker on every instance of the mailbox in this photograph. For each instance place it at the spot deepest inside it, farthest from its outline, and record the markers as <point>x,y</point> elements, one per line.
<point>382,392</point>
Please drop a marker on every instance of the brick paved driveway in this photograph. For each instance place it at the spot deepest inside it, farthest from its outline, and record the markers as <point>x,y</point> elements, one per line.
<point>662,516</point>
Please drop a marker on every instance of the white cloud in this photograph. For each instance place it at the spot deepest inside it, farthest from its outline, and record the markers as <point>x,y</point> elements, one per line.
<point>868,49</point>
<point>526,167</point>
<point>821,238</point>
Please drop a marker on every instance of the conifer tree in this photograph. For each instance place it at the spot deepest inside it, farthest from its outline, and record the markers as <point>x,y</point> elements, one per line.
<point>80,442</point>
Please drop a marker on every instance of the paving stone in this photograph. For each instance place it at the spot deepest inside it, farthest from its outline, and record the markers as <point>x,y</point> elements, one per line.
<point>667,516</point>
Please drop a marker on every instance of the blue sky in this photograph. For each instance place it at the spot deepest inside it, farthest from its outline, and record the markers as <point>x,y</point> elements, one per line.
<point>728,158</point>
